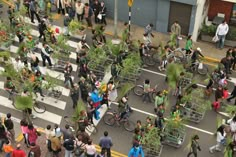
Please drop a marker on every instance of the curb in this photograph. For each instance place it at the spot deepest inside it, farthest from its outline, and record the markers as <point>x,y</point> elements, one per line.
<point>20,137</point>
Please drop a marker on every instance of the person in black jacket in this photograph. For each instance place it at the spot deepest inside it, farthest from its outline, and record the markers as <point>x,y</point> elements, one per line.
<point>233,95</point>
<point>75,95</point>
<point>83,89</point>
<point>96,9</point>
<point>196,55</point>
<point>10,126</point>
<point>194,146</point>
<point>42,27</point>
<point>233,58</point>
<point>69,146</point>
<point>218,93</point>
<point>102,11</point>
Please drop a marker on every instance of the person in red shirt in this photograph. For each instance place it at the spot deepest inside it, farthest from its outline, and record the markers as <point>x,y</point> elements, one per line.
<point>18,152</point>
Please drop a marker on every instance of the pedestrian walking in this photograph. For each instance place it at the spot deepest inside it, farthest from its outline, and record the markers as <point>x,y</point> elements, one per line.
<point>8,149</point>
<point>83,89</point>
<point>66,132</point>
<point>88,13</point>
<point>67,21</point>
<point>33,10</point>
<point>220,139</point>
<point>75,95</point>
<point>24,127</point>
<point>68,82</point>
<point>105,143</point>
<point>42,27</point>
<point>96,9</point>
<point>148,30</point>
<point>32,134</point>
<point>79,8</point>
<point>221,32</point>
<point>45,54</point>
<point>69,145</point>
<point>34,63</point>
<point>60,6</point>
<point>18,152</point>
<point>56,144</point>
<point>90,149</point>
<point>80,147</point>
<point>49,133</point>
<point>103,11</point>
<point>176,30</point>
<point>194,146</point>
<point>136,151</point>
<point>35,150</point>
<point>3,136</point>
<point>10,127</point>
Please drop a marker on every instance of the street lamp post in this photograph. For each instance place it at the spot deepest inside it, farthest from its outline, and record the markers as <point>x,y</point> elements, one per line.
<point>115,18</point>
<point>130,3</point>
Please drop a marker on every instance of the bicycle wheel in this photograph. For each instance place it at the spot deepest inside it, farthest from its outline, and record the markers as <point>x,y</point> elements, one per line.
<point>109,119</point>
<point>92,128</point>
<point>138,90</point>
<point>129,125</point>
<point>203,71</point>
<point>39,108</point>
<point>156,57</point>
<point>149,61</point>
<point>179,53</point>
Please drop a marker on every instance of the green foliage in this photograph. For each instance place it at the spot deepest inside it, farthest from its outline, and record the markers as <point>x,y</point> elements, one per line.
<point>197,98</point>
<point>231,110</point>
<point>174,124</point>
<point>172,42</point>
<point>124,90</point>
<point>23,102</point>
<point>51,82</point>
<point>173,72</point>
<point>151,140</point>
<point>76,115</point>
<point>5,55</point>
<point>130,65</point>
<point>112,49</point>
<point>75,26</point>
<point>209,30</point>
<point>231,34</point>
<point>11,72</point>
<point>96,57</point>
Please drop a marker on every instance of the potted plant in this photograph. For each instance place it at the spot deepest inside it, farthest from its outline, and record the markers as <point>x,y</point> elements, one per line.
<point>151,142</point>
<point>77,29</point>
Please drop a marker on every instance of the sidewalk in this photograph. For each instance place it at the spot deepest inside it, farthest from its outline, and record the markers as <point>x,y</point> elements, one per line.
<point>208,49</point>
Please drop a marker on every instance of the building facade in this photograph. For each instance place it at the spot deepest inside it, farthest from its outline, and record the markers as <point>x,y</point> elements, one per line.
<point>163,13</point>
<point>226,7</point>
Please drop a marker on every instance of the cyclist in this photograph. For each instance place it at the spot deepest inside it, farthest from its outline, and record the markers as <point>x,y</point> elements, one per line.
<point>124,107</point>
<point>9,87</point>
<point>166,57</point>
<point>195,56</point>
<point>149,125</point>
<point>147,89</point>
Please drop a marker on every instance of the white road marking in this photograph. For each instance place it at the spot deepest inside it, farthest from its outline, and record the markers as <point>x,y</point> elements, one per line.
<point>48,116</point>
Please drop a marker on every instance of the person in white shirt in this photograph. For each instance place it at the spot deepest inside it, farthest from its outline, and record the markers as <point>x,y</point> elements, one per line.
<point>220,139</point>
<point>45,53</point>
<point>221,32</point>
<point>79,8</point>
<point>18,65</point>
<point>90,149</point>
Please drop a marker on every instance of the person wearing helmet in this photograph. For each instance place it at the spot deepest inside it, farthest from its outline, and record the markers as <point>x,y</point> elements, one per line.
<point>195,55</point>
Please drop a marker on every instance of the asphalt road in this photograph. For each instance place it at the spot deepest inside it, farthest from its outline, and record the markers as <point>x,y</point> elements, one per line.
<point>122,139</point>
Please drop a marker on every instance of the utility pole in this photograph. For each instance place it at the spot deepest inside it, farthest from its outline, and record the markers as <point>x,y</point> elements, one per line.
<point>115,18</point>
<point>130,3</point>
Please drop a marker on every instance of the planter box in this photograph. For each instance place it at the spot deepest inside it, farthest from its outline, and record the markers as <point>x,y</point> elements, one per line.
<point>208,38</point>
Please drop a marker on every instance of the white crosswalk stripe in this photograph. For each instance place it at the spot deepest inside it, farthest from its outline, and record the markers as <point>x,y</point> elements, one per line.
<point>47,101</point>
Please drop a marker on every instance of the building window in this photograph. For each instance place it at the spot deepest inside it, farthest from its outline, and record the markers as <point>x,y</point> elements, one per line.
<point>234,11</point>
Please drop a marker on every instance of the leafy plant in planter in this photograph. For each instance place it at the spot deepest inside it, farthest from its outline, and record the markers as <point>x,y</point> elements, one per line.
<point>172,42</point>
<point>76,27</point>
<point>151,142</point>
<point>173,72</point>
<point>4,56</point>
<point>76,115</point>
<point>208,30</point>
<point>96,57</point>
<point>231,34</point>
<point>124,90</point>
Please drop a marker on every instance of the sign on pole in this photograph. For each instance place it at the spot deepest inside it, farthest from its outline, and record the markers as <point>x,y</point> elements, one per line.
<point>130,3</point>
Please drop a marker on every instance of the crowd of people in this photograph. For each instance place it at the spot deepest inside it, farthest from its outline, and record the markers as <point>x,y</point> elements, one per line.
<point>90,87</point>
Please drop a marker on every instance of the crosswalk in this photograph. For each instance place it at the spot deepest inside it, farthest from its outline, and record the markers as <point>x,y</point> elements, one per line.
<point>55,109</point>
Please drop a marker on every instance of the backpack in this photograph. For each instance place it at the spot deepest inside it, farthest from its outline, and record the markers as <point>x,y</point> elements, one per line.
<point>31,154</point>
<point>79,150</point>
<point>69,144</point>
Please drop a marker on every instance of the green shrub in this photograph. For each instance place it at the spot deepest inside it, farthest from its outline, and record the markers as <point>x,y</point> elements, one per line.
<point>209,30</point>
<point>231,34</point>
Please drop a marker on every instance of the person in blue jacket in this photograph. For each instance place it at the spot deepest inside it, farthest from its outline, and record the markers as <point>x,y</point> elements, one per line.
<point>136,151</point>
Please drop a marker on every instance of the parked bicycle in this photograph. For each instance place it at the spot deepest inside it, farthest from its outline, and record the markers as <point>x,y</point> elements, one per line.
<point>90,127</point>
<point>139,91</point>
<point>110,118</point>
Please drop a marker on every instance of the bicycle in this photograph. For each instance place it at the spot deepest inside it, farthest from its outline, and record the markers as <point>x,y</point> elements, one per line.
<point>139,91</point>
<point>112,117</point>
<point>198,67</point>
<point>90,127</point>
